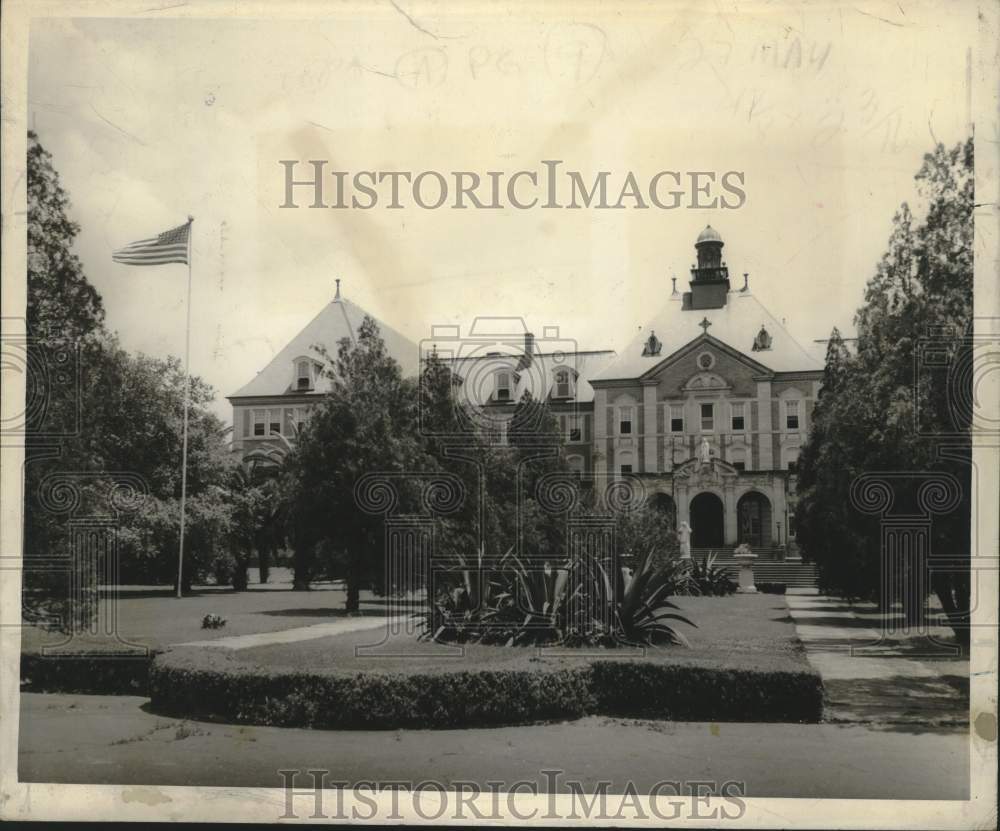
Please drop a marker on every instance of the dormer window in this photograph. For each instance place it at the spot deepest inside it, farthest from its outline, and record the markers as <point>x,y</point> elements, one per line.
<point>303,375</point>
<point>565,386</point>
<point>503,386</point>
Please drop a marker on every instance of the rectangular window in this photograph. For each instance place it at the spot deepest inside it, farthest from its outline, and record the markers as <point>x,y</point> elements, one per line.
<point>739,420</point>
<point>300,418</point>
<point>574,433</point>
<point>792,415</point>
<point>740,465</point>
<point>625,421</point>
<point>564,385</point>
<point>260,422</point>
<point>274,421</point>
<point>503,386</point>
<point>793,466</point>
<point>626,468</point>
<point>304,379</point>
<point>676,418</point>
<point>707,417</point>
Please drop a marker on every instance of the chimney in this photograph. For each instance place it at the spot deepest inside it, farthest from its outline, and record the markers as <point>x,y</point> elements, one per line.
<point>337,295</point>
<point>673,283</point>
<point>529,348</point>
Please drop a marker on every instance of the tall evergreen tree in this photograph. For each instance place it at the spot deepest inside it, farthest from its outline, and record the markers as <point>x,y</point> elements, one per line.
<point>367,423</point>
<point>866,421</point>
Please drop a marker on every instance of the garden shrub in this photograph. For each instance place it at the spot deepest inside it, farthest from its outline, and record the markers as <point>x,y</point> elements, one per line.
<point>209,683</point>
<point>88,674</point>
<point>685,692</point>
<point>196,683</point>
<point>771,588</point>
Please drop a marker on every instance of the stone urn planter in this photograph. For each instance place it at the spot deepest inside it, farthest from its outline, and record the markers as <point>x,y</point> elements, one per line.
<point>745,557</point>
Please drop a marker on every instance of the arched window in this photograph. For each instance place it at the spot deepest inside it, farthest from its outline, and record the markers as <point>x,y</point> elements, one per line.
<point>303,374</point>
<point>624,421</point>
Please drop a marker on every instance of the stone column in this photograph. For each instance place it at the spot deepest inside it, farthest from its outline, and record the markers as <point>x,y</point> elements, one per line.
<point>681,500</point>
<point>729,507</point>
<point>650,461</point>
<point>764,426</point>
<point>600,434</point>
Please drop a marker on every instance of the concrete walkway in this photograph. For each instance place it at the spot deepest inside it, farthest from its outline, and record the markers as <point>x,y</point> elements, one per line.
<point>118,740</point>
<point>301,633</point>
<point>873,679</point>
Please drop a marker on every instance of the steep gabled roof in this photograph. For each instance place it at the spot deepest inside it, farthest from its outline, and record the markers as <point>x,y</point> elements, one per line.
<point>338,320</point>
<point>736,325</point>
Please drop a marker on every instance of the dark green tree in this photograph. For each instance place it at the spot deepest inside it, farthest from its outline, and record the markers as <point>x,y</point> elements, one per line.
<point>867,417</point>
<point>367,423</point>
<point>63,306</point>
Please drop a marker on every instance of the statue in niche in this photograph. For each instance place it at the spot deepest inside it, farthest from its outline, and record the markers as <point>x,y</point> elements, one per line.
<point>762,342</point>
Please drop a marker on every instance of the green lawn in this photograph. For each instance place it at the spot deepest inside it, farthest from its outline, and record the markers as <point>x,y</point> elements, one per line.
<point>752,631</point>
<point>155,618</point>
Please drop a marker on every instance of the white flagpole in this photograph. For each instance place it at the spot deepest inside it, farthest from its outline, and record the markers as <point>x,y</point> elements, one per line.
<point>187,404</point>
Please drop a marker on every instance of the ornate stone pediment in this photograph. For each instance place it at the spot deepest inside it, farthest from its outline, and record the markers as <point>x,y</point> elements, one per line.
<point>697,473</point>
<point>706,382</point>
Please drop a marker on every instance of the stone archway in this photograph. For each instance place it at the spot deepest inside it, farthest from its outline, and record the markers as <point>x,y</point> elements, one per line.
<point>707,521</point>
<point>753,520</point>
<point>663,503</point>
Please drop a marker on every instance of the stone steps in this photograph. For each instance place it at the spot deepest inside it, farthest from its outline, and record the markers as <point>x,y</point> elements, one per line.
<point>793,573</point>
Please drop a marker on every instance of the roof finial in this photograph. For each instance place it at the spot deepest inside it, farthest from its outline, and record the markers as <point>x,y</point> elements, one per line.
<point>673,282</point>
<point>705,323</point>
<point>337,295</point>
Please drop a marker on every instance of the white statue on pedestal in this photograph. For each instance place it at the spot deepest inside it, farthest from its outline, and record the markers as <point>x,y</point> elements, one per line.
<point>684,535</point>
<point>706,452</point>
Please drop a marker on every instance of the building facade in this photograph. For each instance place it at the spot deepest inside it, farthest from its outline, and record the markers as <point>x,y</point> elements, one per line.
<point>709,407</point>
<point>279,398</point>
<point>704,412</point>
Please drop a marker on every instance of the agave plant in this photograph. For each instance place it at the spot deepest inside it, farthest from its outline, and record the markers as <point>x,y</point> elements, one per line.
<point>635,610</point>
<point>710,579</point>
<point>582,602</point>
<point>471,609</point>
<point>529,608</point>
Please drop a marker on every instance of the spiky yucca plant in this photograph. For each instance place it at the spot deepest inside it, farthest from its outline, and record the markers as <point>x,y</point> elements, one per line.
<point>710,579</point>
<point>583,602</point>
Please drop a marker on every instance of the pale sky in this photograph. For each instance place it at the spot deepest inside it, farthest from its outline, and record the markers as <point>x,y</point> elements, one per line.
<point>827,113</point>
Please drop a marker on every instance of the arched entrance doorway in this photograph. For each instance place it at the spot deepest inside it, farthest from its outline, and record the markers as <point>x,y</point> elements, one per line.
<point>707,523</point>
<point>664,504</point>
<point>753,520</point>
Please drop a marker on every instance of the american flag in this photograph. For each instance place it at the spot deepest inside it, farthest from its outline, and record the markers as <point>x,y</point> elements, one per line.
<point>169,247</point>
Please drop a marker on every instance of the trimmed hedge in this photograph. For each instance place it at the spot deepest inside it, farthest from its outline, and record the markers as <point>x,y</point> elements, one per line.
<point>184,682</point>
<point>771,588</point>
<point>89,674</point>
<point>181,683</point>
<point>685,692</point>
